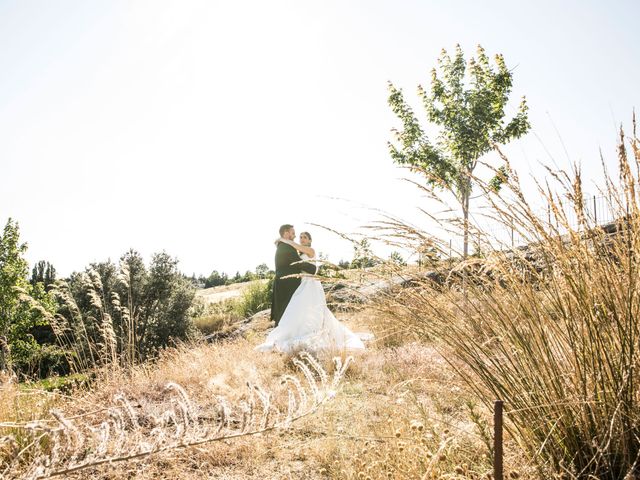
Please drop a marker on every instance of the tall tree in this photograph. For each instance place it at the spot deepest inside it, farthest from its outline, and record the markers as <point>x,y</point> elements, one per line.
<point>467,102</point>
<point>262,270</point>
<point>215,279</point>
<point>43,272</point>
<point>13,278</point>
<point>18,317</point>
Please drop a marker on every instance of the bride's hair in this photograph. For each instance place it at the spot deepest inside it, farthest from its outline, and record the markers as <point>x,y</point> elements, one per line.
<point>307,234</point>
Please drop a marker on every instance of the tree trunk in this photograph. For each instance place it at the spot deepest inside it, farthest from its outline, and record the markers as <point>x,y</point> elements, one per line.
<point>465,249</point>
<point>465,215</point>
<point>5,354</point>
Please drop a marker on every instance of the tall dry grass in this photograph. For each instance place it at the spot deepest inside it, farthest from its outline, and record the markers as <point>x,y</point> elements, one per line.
<point>163,418</point>
<point>407,389</point>
<point>89,338</point>
<point>553,328</point>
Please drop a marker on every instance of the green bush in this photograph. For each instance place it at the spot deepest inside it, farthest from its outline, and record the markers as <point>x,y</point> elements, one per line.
<point>214,317</point>
<point>65,384</point>
<point>256,297</point>
<point>123,315</point>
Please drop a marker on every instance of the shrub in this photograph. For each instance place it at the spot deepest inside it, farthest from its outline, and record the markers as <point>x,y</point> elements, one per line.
<point>363,257</point>
<point>123,315</point>
<point>256,297</point>
<point>216,316</point>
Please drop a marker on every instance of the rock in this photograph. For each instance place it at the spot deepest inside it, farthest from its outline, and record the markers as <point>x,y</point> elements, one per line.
<point>260,319</point>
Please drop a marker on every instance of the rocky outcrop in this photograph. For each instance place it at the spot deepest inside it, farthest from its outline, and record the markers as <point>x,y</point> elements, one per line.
<point>349,295</point>
<point>257,322</point>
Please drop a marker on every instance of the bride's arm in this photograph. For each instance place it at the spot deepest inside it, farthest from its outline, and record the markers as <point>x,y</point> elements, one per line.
<point>301,248</point>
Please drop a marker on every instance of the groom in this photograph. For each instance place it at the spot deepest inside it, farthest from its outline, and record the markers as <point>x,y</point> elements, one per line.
<point>283,288</point>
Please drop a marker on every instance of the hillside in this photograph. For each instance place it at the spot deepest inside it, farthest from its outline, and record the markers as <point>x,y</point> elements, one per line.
<point>223,292</point>
<point>398,411</point>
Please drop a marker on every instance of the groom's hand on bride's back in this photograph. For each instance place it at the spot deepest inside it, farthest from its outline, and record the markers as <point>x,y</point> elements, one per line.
<point>307,267</point>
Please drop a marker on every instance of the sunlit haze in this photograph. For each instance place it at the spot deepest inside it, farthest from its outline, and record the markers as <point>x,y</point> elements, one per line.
<point>198,127</point>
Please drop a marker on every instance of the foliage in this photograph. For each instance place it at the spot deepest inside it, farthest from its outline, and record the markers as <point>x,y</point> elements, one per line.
<point>23,307</point>
<point>216,316</point>
<point>255,298</point>
<point>209,324</point>
<point>397,259</point>
<point>123,315</point>
<point>197,282</point>
<point>344,264</point>
<point>324,267</point>
<point>215,279</point>
<point>237,278</point>
<point>468,103</point>
<point>248,276</point>
<point>263,271</point>
<point>363,257</point>
<point>43,272</point>
<point>65,384</point>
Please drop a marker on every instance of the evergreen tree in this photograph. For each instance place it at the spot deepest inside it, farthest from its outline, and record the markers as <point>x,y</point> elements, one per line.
<point>43,272</point>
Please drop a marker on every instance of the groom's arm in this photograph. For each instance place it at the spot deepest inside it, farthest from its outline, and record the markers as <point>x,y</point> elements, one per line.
<point>307,267</point>
<point>303,266</point>
<point>295,263</point>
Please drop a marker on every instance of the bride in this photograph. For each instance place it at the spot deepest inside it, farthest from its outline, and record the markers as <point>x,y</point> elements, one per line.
<point>307,323</point>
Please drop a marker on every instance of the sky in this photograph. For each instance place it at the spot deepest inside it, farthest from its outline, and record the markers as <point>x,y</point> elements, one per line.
<point>198,127</point>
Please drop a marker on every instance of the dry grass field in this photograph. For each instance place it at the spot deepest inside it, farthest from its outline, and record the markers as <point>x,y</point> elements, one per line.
<point>223,292</point>
<point>400,413</point>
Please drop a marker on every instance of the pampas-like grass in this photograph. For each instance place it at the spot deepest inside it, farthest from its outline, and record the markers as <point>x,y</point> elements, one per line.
<point>551,327</point>
<point>85,350</point>
<point>60,446</point>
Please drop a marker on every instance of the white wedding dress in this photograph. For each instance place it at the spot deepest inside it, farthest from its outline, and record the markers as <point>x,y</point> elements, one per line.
<point>308,324</point>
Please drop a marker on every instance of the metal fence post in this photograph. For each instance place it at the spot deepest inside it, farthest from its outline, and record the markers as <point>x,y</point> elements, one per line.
<point>498,473</point>
<point>595,210</point>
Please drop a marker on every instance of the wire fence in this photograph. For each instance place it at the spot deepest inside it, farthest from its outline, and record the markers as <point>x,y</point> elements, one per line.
<point>489,234</point>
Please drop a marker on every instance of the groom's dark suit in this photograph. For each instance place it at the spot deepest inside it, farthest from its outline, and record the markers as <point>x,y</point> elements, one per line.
<point>283,288</point>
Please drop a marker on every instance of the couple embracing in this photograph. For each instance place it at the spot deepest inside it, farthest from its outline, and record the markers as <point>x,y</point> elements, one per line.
<point>299,307</point>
